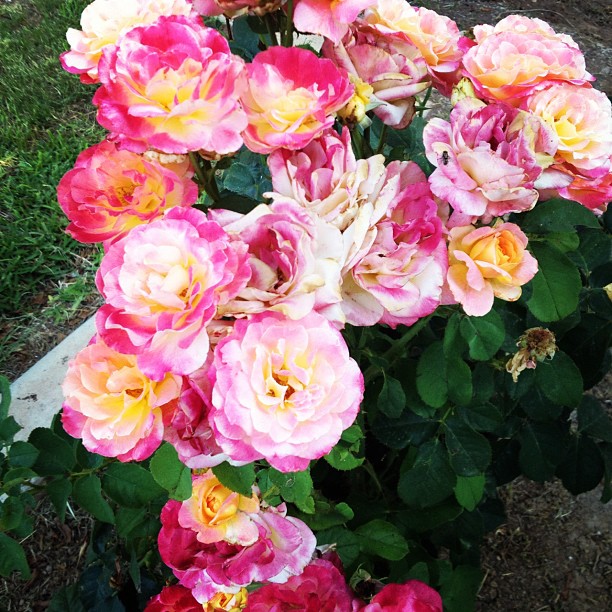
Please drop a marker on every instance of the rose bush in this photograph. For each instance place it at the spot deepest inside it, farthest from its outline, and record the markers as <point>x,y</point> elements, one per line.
<point>311,377</point>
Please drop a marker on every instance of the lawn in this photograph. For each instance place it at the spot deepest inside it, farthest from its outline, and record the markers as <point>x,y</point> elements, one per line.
<point>46,119</point>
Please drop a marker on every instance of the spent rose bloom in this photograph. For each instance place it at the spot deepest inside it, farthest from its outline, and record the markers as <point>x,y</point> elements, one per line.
<point>321,587</point>
<point>283,548</point>
<point>582,120</point>
<point>284,390</point>
<point>113,406</point>
<point>437,37</point>
<point>328,18</point>
<point>294,258</point>
<point>400,278</point>
<point>234,8</point>
<point>162,284</point>
<point>412,596</point>
<point>291,98</point>
<point>510,63</point>
<point>110,191</point>
<point>392,66</point>
<point>103,22</point>
<point>215,513</point>
<point>487,158</point>
<point>172,86</point>
<point>488,262</point>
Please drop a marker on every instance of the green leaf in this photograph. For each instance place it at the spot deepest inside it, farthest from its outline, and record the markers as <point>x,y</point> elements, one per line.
<point>87,492</point>
<point>295,487</point>
<point>430,479</point>
<point>8,428</point>
<point>238,479</point>
<point>560,380</point>
<point>556,286</point>
<point>391,400</point>
<point>484,335</point>
<point>378,537</point>
<point>459,591</point>
<point>248,176</point>
<point>416,520</point>
<point>538,407</point>
<point>410,428</point>
<point>594,420</point>
<point>431,376</point>
<point>59,491</point>
<point>170,473</point>
<point>347,543</point>
<point>5,396</point>
<point>469,452</point>
<point>459,378</point>
<point>137,523</point>
<point>130,485</point>
<point>67,599</point>
<point>12,558</point>
<point>557,215</point>
<point>55,455</point>
<point>469,490</point>
<point>22,454</point>
<point>17,476</point>
<point>453,343</point>
<point>341,458</point>
<point>12,512</point>
<point>542,449</point>
<point>483,417</point>
<point>595,248</point>
<point>583,467</point>
<point>327,514</point>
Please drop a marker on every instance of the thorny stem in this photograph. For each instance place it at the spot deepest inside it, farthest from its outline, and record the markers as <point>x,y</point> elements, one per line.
<point>271,30</point>
<point>381,142</point>
<point>205,174</point>
<point>288,39</point>
<point>423,106</point>
<point>373,371</point>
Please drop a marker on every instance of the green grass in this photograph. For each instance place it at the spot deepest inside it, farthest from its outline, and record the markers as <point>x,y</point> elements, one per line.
<point>46,120</point>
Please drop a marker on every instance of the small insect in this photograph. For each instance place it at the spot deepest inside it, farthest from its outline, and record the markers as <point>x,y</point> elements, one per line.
<point>445,157</point>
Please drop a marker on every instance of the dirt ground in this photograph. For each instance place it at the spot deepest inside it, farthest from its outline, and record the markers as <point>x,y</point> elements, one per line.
<point>554,553</point>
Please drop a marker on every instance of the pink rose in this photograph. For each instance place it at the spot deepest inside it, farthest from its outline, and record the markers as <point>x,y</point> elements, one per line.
<point>509,63</point>
<point>581,118</point>
<point>215,513</point>
<point>103,22</point>
<point>488,159</point>
<point>113,406</point>
<point>108,192</point>
<point>400,278</point>
<point>327,18</point>
<point>437,37</point>
<point>321,587</point>
<point>488,262</point>
<point>162,284</point>
<point>392,66</point>
<point>595,193</point>
<point>294,257</point>
<point>172,86</point>
<point>291,98</point>
<point>283,390</point>
<point>283,548</point>
<point>174,598</point>
<point>187,428</point>
<point>412,596</point>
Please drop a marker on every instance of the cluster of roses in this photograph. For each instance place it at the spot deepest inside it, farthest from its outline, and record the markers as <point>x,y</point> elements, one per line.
<point>218,542</point>
<point>221,331</point>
